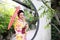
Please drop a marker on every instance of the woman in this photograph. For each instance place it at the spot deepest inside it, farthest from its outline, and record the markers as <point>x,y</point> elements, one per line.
<point>20,26</point>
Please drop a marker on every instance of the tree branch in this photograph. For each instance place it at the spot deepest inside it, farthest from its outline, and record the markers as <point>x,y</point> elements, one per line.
<point>46,5</point>
<point>56,16</point>
<point>23,4</point>
<point>55,27</point>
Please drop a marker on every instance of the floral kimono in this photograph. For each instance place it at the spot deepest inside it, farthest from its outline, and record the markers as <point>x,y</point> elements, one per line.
<point>20,30</point>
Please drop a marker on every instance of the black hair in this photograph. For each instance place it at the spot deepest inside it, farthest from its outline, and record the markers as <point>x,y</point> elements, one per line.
<point>20,11</point>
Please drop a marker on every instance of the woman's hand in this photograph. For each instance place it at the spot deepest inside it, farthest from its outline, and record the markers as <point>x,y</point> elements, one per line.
<point>27,26</point>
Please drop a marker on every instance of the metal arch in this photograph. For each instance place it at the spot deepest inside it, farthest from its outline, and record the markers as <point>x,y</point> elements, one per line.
<point>38,21</point>
<point>35,13</point>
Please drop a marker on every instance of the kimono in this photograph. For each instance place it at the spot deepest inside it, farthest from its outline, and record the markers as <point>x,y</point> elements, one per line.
<point>20,30</point>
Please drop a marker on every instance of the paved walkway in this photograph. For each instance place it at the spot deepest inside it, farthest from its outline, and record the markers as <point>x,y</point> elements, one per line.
<point>29,35</point>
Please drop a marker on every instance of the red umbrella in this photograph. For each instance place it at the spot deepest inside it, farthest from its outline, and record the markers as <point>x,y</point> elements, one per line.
<point>13,17</point>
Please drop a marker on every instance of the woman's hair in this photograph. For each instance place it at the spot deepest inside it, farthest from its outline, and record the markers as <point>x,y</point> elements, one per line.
<point>20,11</point>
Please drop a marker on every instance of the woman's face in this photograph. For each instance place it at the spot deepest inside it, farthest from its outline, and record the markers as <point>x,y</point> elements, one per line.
<point>21,15</point>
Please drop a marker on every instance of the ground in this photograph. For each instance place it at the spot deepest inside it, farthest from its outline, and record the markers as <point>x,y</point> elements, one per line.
<point>29,35</point>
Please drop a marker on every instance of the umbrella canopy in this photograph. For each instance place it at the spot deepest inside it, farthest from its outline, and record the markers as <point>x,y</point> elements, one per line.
<point>13,17</point>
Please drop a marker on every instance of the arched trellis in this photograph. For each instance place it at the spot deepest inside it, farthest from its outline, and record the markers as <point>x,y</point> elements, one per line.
<point>36,15</point>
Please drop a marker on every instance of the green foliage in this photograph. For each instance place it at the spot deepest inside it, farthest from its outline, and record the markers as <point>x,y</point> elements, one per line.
<point>6,10</point>
<point>43,13</point>
<point>55,34</point>
<point>27,2</point>
<point>4,20</point>
<point>29,16</point>
<point>49,12</point>
<point>47,26</point>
